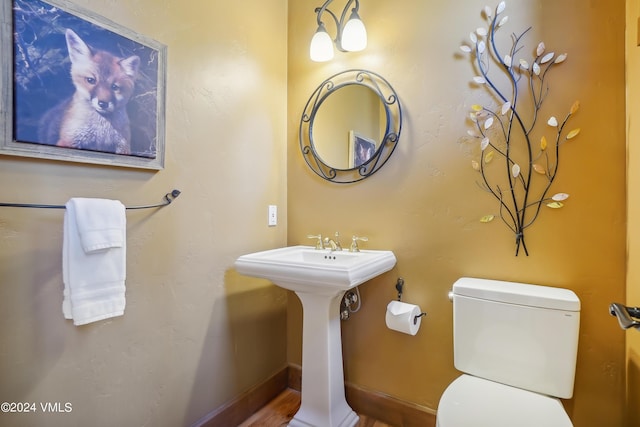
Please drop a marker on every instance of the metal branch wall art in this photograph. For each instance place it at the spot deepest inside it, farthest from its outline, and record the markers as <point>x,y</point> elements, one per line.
<point>518,160</point>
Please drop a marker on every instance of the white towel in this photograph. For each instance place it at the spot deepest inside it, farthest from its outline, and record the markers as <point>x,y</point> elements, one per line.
<point>93,260</point>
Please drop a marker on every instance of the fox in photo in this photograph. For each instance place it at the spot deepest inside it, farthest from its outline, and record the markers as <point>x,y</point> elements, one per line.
<point>95,116</point>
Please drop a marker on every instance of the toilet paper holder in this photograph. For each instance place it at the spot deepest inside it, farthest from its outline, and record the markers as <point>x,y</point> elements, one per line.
<point>399,288</point>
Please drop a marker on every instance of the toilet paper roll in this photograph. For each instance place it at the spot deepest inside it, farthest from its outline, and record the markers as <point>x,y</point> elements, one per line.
<point>400,317</point>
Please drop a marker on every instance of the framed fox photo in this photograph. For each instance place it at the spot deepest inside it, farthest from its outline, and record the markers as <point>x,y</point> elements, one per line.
<point>77,87</point>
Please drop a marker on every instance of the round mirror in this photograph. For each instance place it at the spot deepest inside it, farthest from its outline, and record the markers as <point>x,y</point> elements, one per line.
<point>350,126</point>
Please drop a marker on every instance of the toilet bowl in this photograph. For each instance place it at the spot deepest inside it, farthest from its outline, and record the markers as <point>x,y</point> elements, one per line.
<point>475,402</point>
<point>516,346</point>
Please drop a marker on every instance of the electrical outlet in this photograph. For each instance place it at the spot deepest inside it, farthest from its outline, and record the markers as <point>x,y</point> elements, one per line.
<point>273,215</point>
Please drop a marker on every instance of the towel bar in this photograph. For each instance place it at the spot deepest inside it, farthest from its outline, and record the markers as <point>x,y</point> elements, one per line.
<point>168,198</point>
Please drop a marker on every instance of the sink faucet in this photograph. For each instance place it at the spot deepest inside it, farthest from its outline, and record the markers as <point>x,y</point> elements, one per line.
<point>326,243</point>
<point>331,244</point>
<point>334,245</point>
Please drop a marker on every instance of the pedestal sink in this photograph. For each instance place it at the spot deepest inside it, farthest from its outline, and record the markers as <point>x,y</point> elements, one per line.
<point>319,278</point>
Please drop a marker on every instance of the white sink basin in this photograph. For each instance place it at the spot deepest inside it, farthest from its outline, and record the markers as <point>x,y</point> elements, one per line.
<point>319,278</point>
<point>306,269</point>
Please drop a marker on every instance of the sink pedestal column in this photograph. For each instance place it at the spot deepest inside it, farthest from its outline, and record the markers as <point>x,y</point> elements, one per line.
<point>323,402</point>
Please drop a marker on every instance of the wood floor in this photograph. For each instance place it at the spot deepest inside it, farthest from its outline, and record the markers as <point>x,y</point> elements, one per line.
<point>281,410</point>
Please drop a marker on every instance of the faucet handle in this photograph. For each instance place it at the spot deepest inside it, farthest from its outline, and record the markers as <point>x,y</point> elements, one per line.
<point>354,243</point>
<point>319,245</point>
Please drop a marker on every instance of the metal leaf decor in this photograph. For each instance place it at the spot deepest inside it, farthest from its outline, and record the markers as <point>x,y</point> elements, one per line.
<point>514,130</point>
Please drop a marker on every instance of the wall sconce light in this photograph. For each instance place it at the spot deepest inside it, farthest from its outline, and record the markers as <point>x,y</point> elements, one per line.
<point>351,35</point>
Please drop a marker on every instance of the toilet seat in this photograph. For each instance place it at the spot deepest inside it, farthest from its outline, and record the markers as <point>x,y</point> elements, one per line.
<point>476,402</point>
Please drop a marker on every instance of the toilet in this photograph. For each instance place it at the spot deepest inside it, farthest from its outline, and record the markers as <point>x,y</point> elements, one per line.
<point>516,345</point>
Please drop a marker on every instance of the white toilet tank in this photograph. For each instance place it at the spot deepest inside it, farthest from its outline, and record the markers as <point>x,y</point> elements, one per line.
<point>525,336</point>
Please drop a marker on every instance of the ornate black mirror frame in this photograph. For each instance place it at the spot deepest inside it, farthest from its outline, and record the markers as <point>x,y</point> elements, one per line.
<point>387,145</point>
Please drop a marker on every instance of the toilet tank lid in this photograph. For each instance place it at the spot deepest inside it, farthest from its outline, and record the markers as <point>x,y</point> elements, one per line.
<point>517,293</point>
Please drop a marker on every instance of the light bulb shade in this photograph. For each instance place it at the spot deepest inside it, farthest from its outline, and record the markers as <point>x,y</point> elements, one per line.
<point>321,48</point>
<point>354,34</point>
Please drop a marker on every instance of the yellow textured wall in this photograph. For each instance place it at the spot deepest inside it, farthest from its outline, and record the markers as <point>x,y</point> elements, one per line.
<point>425,205</point>
<point>633,208</point>
<point>195,334</point>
